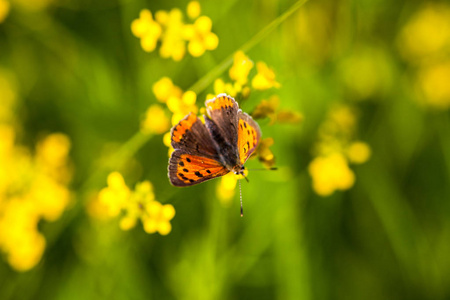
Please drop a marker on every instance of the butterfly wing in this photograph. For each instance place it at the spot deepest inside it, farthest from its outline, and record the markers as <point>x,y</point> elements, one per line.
<point>222,124</point>
<point>186,169</point>
<point>195,158</point>
<point>249,135</point>
<point>191,135</point>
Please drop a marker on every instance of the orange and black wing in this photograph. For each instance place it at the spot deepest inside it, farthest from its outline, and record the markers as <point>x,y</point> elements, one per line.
<point>187,169</point>
<point>191,135</point>
<point>249,135</point>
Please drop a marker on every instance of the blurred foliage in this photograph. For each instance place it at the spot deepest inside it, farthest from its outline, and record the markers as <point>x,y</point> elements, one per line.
<point>353,101</point>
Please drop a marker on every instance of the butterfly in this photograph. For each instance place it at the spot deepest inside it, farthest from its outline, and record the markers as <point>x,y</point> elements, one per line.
<point>203,151</point>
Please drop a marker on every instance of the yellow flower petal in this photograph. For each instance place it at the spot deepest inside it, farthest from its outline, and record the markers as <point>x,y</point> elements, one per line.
<point>196,48</point>
<point>331,173</point>
<point>203,24</point>
<point>168,212</point>
<point>358,152</point>
<point>127,222</point>
<point>164,228</point>
<point>193,9</point>
<point>189,98</point>
<point>163,89</point>
<point>167,139</point>
<point>155,120</point>
<point>211,41</point>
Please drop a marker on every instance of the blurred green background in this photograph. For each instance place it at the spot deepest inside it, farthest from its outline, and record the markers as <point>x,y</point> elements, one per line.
<point>75,67</point>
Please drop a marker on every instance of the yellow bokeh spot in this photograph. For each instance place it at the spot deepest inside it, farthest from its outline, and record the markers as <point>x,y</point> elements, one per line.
<point>127,222</point>
<point>358,152</point>
<point>219,87</point>
<point>189,98</point>
<point>54,149</point>
<point>196,48</point>
<point>156,121</point>
<point>167,139</point>
<point>426,33</point>
<point>241,68</point>
<point>164,88</point>
<point>27,251</point>
<point>330,173</point>
<point>203,24</point>
<point>433,82</point>
<point>4,10</point>
<point>193,9</point>
<point>265,78</point>
<point>225,190</point>
<point>147,30</point>
<point>188,32</point>
<point>32,189</point>
<point>211,41</point>
<point>162,17</point>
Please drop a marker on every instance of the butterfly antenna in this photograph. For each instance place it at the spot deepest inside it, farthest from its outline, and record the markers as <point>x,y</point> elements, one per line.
<point>240,196</point>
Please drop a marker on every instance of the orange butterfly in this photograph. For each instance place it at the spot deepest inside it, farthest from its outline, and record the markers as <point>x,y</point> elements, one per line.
<point>221,145</point>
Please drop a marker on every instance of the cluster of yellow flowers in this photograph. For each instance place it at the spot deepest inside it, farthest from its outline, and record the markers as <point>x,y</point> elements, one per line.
<point>169,28</point>
<point>33,187</point>
<point>117,199</point>
<point>179,104</point>
<point>335,149</point>
<point>424,42</point>
<point>239,75</point>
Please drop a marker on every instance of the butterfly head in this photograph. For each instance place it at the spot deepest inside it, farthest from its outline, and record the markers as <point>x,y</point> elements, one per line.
<point>239,170</point>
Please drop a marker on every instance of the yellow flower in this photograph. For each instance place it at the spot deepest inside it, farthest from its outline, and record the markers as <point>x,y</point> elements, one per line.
<point>289,117</point>
<point>52,198</point>
<point>54,149</point>
<point>434,85</point>
<point>4,10</point>
<point>19,238</point>
<point>115,195</point>
<point>330,173</point>
<point>226,187</point>
<point>158,218</point>
<point>193,9</point>
<point>341,119</point>
<point>31,189</point>
<point>358,152</point>
<point>427,33</point>
<point>265,155</point>
<point>200,37</point>
<point>164,89</point>
<point>167,139</point>
<point>180,107</point>
<point>173,45</point>
<point>155,120</point>
<point>136,204</point>
<point>241,68</point>
<point>147,30</point>
<point>221,87</point>
<point>265,78</point>
<point>267,108</point>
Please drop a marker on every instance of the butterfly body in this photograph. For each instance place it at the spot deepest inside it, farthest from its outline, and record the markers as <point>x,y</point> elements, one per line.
<point>203,151</point>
